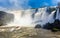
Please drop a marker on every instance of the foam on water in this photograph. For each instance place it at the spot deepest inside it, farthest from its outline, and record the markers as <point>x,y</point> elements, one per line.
<point>20,20</point>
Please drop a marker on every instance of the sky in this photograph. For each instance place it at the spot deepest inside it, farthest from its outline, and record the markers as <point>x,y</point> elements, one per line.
<point>24,4</point>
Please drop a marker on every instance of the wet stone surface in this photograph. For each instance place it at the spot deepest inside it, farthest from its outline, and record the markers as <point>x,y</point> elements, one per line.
<point>24,32</point>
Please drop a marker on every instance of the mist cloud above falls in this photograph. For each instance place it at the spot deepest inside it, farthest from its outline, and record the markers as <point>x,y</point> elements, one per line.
<point>15,4</point>
<point>22,4</point>
<point>55,2</point>
<point>25,4</point>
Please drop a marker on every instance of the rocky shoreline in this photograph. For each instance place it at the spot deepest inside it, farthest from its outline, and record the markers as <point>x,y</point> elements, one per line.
<point>27,32</point>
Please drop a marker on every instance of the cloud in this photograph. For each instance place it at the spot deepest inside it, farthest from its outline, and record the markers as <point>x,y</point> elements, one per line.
<point>3,9</point>
<point>22,4</point>
<point>15,4</point>
<point>55,1</point>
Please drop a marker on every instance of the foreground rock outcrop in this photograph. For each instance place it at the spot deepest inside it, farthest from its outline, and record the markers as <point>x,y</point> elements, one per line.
<point>55,26</point>
<point>5,18</point>
<point>25,32</point>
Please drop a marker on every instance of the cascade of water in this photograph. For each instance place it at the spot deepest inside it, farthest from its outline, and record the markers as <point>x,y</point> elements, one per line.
<point>41,16</point>
<point>51,17</point>
<point>57,14</point>
<point>20,20</point>
<point>44,17</point>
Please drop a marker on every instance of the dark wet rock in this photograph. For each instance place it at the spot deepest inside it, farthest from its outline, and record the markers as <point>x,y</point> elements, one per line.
<point>33,15</point>
<point>38,26</point>
<point>47,26</point>
<point>49,10</point>
<point>5,18</point>
<point>53,26</point>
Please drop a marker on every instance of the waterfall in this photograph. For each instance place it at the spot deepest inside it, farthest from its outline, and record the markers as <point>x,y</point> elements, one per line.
<point>21,19</point>
<point>57,14</point>
<point>31,17</point>
<point>42,17</point>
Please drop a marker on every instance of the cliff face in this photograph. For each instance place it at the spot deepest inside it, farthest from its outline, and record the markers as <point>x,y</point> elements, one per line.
<point>5,18</point>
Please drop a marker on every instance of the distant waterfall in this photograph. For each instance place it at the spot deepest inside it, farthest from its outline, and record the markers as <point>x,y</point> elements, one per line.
<point>31,17</point>
<point>42,16</point>
<point>57,14</point>
<point>22,18</point>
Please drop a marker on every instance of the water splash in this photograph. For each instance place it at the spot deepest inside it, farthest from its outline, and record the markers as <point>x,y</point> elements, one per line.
<point>42,17</point>
<point>24,17</point>
<point>20,20</point>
